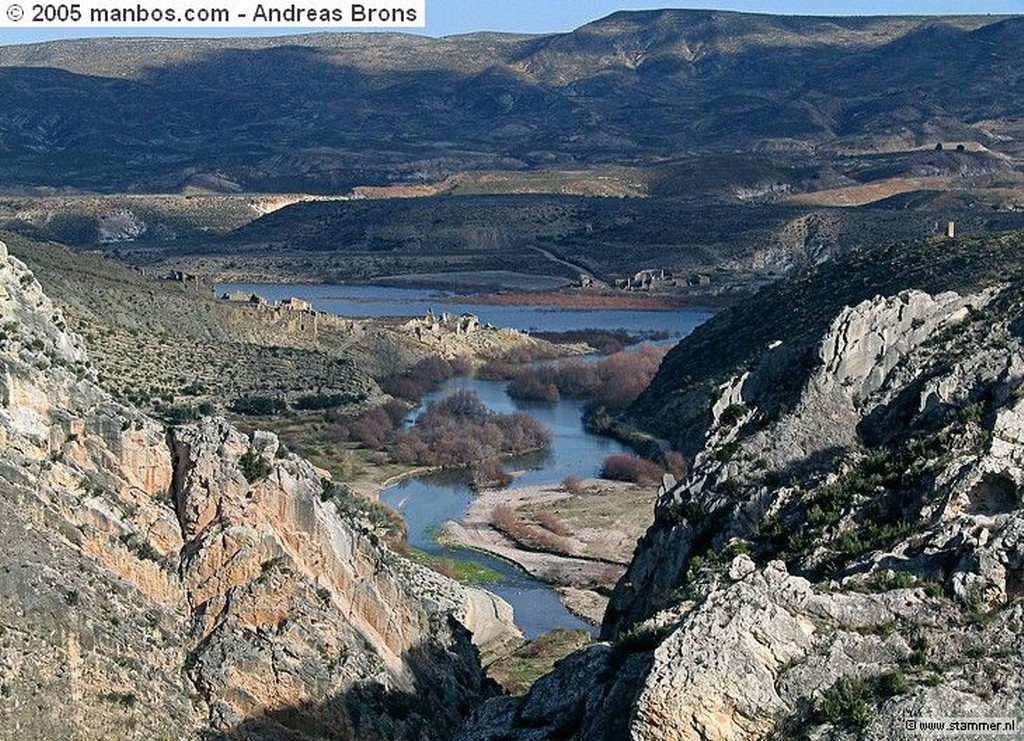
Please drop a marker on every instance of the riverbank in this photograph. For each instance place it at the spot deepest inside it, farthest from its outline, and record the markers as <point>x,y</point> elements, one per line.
<point>577,538</point>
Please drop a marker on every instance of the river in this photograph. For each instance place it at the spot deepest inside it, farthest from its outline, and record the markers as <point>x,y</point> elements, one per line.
<point>427,502</point>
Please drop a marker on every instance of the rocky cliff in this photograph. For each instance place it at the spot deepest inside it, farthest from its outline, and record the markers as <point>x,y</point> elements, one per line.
<point>848,550</point>
<point>168,584</point>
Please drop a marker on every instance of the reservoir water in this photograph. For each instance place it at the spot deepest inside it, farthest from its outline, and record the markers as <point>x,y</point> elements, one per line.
<point>428,501</point>
<point>377,301</point>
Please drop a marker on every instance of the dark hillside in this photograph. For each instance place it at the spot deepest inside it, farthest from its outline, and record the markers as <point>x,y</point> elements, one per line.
<point>328,112</point>
<point>798,310</point>
<point>737,245</point>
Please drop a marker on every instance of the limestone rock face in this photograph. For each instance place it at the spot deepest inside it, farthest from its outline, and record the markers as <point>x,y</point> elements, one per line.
<point>828,569</point>
<point>283,590</point>
<point>160,584</point>
<point>738,666</point>
<point>92,609</point>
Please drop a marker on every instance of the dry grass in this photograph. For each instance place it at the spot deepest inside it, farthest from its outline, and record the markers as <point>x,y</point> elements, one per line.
<point>550,537</point>
<point>518,671</point>
<point>554,524</point>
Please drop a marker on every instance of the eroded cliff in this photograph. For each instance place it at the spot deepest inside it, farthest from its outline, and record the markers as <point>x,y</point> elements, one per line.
<point>165,584</point>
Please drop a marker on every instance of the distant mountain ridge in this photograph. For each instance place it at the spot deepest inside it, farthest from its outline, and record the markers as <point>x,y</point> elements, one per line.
<point>328,112</point>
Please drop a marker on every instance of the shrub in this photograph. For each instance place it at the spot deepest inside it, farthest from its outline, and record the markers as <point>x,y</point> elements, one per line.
<point>505,520</point>
<point>179,414</point>
<point>624,375</point>
<point>852,702</point>
<point>641,638</point>
<point>405,387</point>
<point>675,464</point>
<point>126,700</point>
<point>496,370</point>
<point>396,410</point>
<point>196,388</point>
<point>551,522</point>
<point>353,507</point>
<point>605,341</point>
<point>531,387</point>
<point>614,382</point>
<point>432,370</point>
<point>258,406</point>
<point>373,428</point>
<point>414,383</point>
<point>574,485</point>
<point>727,452</point>
<point>457,431</point>
<point>623,467</point>
<point>733,414</point>
<point>461,366</point>
<point>490,473</point>
<point>575,379</point>
<point>254,466</point>
<point>325,401</point>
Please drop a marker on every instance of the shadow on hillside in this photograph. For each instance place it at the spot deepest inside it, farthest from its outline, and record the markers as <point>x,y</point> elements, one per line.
<point>447,685</point>
<point>295,118</point>
<point>818,462</point>
<point>285,118</point>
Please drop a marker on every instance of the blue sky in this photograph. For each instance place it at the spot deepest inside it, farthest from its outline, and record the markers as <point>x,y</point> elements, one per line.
<point>445,17</point>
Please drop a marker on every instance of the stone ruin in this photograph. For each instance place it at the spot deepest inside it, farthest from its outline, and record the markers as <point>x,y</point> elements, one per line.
<point>293,314</point>
<point>431,325</point>
<point>645,280</point>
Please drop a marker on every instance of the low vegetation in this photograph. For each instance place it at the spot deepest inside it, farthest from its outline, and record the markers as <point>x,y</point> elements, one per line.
<point>459,569</point>
<point>612,383</point>
<point>871,505</point>
<point>424,376</point>
<point>379,517</point>
<point>631,468</point>
<point>548,534</point>
<point>518,671</point>
<point>254,466</point>
<point>455,432</point>
<point>605,341</point>
<point>854,702</point>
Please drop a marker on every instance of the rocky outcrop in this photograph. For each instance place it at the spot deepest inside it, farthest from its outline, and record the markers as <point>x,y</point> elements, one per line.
<point>92,612</point>
<point>293,605</point>
<point>830,568</point>
<point>166,584</point>
<point>745,662</point>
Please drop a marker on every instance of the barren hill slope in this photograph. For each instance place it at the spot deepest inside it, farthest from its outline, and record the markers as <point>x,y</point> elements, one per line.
<point>330,112</point>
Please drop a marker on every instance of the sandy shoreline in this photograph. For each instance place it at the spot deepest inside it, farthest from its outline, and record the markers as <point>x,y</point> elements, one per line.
<point>587,563</point>
<point>599,525</point>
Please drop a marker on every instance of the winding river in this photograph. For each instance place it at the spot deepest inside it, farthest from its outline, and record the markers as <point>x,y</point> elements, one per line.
<point>427,502</point>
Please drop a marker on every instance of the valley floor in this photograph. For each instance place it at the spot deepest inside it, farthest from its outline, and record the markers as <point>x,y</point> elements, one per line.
<point>578,538</point>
